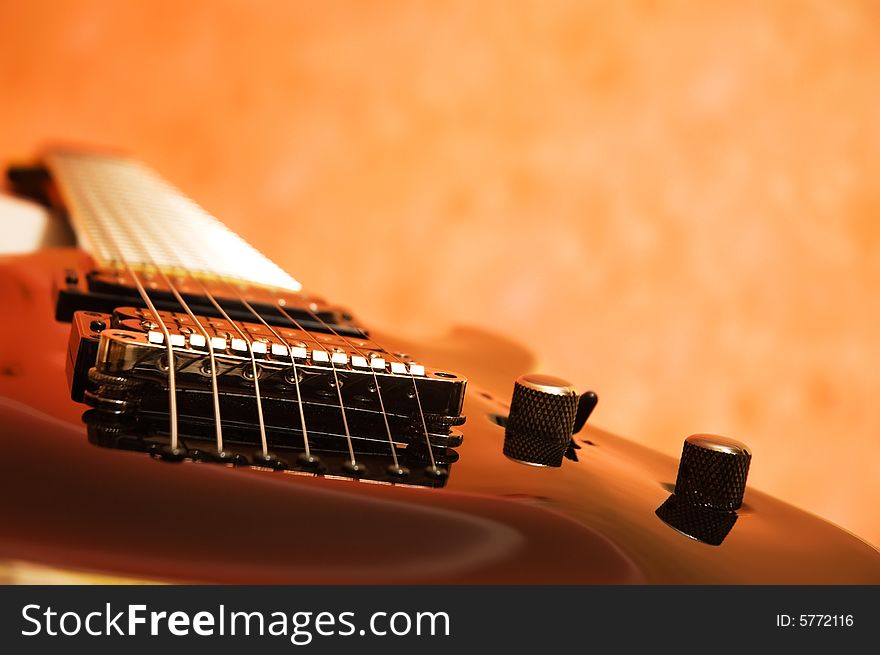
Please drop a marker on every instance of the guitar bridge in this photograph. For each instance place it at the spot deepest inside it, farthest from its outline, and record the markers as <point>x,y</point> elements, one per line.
<point>118,364</point>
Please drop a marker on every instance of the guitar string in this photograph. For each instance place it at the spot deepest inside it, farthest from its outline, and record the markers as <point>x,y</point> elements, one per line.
<point>173,245</point>
<point>254,369</point>
<point>352,463</point>
<point>84,193</point>
<point>172,386</point>
<point>434,469</point>
<point>264,442</point>
<point>397,468</point>
<point>309,460</point>
<point>147,251</point>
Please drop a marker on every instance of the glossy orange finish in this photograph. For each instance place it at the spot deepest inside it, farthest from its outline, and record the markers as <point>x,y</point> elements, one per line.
<point>674,203</point>
<point>66,503</point>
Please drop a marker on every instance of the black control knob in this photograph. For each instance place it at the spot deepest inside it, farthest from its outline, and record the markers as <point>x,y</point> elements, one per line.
<point>541,421</point>
<point>713,472</point>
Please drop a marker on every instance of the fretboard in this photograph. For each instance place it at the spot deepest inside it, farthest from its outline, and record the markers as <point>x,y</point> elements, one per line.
<point>124,213</point>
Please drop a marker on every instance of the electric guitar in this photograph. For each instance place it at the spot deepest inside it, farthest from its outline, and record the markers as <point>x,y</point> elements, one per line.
<point>175,407</point>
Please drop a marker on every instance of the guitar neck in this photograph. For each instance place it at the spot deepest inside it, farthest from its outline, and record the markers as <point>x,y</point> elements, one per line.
<point>123,213</point>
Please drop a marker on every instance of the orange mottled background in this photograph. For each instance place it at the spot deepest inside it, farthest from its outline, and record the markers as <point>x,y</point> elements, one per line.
<point>674,203</point>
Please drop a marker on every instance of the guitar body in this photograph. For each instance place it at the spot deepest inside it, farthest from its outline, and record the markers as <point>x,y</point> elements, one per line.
<point>69,505</point>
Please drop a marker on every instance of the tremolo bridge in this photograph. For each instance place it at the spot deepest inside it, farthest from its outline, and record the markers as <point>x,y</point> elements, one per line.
<point>118,364</point>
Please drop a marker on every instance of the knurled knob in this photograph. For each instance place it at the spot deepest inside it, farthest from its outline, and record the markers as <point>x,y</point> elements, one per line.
<point>541,420</point>
<point>713,471</point>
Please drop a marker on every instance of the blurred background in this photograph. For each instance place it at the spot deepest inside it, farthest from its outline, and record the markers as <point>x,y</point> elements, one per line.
<point>674,203</point>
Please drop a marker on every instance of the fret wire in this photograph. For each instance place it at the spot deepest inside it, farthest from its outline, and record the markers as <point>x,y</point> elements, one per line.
<point>214,247</point>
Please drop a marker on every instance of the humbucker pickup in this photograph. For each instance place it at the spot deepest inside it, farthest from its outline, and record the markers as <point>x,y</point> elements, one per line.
<point>104,290</point>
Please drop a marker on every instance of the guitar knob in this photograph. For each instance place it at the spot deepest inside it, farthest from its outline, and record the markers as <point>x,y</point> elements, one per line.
<point>541,420</point>
<point>713,472</point>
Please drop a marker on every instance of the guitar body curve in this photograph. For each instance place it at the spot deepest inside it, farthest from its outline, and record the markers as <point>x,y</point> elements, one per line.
<point>70,505</point>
